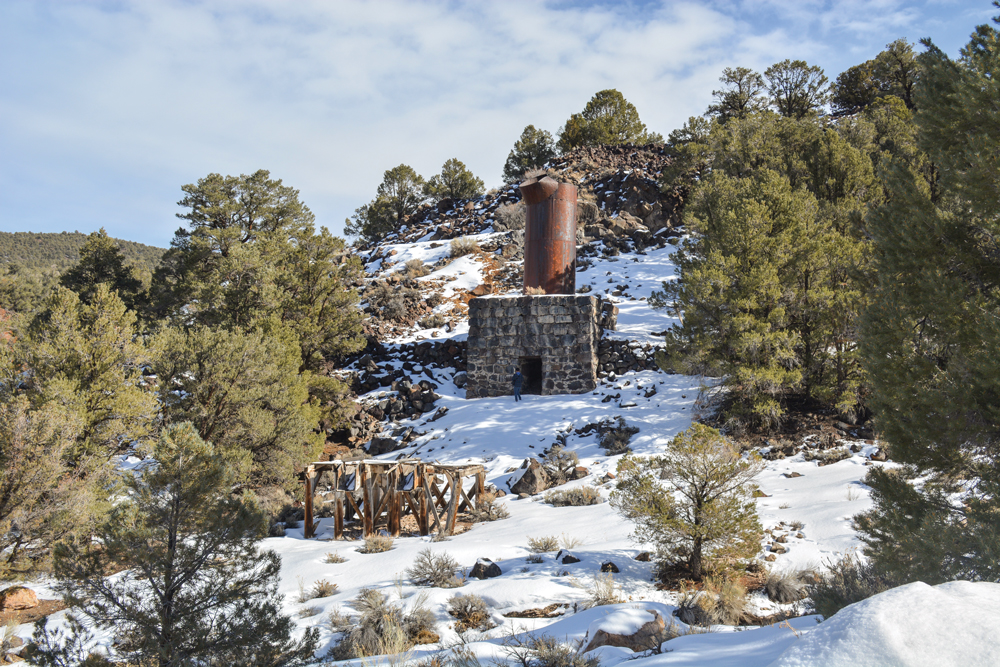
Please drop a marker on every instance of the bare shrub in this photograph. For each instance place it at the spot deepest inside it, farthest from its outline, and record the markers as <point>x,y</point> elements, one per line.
<point>603,591</point>
<point>430,569</point>
<point>578,497</point>
<point>540,545</point>
<point>723,601</point>
<point>435,321</point>
<point>534,291</point>
<point>488,509</point>
<point>787,586</point>
<point>323,589</point>
<point>615,437</point>
<point>527,650</point>
<point>471,613</point>
<point>560,463</point>
<point>381,629</point>
<point>510,217</point>
<point>334,558</point>
<point>569,542</point>
<point>376,544</point>
<point>463,245</point>
<point>849,580</point>
<point>534,559</point>
<point>415,268</point>
<point>391,302</point>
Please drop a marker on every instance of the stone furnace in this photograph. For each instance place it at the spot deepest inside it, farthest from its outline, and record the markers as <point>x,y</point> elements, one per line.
<point>552,336</point>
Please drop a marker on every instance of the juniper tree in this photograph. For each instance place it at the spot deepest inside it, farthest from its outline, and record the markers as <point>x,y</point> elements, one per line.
<point>454,182</point>
<point>608,118</point>
<point>398,196</point>
<point>796,88</point>
<point>102,261</point>
<point>196,587</point>
<point>932,328</point>
<point>694,502</point>
<point>742,94</point>
<point>531,151</point>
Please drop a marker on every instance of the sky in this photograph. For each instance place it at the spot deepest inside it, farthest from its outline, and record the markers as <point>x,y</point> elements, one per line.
<point>108,108</point>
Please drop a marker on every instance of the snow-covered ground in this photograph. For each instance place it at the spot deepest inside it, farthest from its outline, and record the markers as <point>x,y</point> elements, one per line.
<point>812,510</point>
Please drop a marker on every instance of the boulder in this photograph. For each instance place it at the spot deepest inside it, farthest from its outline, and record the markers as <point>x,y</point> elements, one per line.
<point>533,480</point>
<point>628,628</point>
<point>610,567</point>
<point>17,597</point>
<point>643,557</point>
<point>566,558</point>
<point>485,569</point>
<point>461,379</point>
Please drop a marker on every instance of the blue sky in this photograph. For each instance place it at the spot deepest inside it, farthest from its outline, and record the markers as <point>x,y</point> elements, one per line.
<point>108,108</point>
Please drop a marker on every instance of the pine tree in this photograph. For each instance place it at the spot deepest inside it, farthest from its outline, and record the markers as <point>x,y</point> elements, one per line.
<point>454,182</point>
<point>931,331</point>
<point>196,587</point>
<point>397,197</point>
<point>608,118</point>
<point>695,502</point>
<point>102,261</point>
<point>797,89</point>
<point>243,392</point>
<point>531,151</point>
<point>741,95</point>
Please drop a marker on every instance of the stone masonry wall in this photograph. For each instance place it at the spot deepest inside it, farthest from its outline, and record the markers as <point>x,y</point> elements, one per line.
<point>563,330</point>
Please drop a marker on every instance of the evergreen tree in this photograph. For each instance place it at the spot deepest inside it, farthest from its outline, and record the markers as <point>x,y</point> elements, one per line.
<point>243,393</point>
<point>102,261</point>
<point>88,359</point>
<point>195,587</point>
<point>931,331</point>
<point>892,72</point>
<point>797,89</point>
<point>398,196</point>
<point>742,94</point>
<point>531,151</point>
<point>608,118</point>
<point>454,182</point>
<point>695,502</point>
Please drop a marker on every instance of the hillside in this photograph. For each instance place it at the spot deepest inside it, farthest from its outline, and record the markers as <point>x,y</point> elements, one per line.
<point>60,251</point>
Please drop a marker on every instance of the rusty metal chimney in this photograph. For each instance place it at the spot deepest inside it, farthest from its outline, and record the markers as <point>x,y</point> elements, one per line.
<point>549,235</point>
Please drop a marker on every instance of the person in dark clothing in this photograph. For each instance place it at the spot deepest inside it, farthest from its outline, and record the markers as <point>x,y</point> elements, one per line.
<point>517,381</point>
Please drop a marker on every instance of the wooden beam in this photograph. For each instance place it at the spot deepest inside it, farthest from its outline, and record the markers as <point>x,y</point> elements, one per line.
<point>456,495</point>
<point>307,524</point>
<point>338,516</point>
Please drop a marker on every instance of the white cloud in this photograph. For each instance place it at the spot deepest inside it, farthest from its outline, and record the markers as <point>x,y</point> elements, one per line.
<point>109,108</point>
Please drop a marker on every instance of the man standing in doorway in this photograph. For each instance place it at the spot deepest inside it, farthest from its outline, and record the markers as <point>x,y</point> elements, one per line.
<point>517,381</point>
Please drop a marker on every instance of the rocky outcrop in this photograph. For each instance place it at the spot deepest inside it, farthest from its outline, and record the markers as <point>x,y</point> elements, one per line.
<point>17,597</point>
<point>533,480</point>
<point>648,635</point>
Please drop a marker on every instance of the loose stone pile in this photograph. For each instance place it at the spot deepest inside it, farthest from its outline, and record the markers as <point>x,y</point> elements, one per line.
<point>621,356</point>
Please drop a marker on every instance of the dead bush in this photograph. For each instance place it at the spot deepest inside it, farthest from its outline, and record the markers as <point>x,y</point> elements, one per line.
<point>787,586</point>
<point>509,217</point>
<point>334,557</point>
<point>560,463</point>
<point>534,559</point>
<point>540,545</point>
<point>527,650</point>
<point>849,580</point>
<point>722,601</point>
<point>376,544</point>
<point>323,589</point>
<point>430,569</point>
<point>615,437</point>
<point>415,268</point>
<point>435,321</point>
<point>578,497</point>
<point>488,509</point>
<point>463,245</point>
<point>381,629</point>
<point>471,613</point>
<point>534,291</point>
<point>603,590</point>
<point>392,303</point>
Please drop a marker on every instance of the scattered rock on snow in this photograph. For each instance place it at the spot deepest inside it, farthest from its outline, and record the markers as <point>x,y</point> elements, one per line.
<point>627,628</point>
<point>485,569</point>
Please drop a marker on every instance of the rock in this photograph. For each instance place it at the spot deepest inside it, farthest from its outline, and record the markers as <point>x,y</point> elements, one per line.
<point>760,494</point>
<point>608,477</point>
<point>461,379</point>
<point>770,558</point>
<point>566,558</point>
<point>778,548</point>
<point>379,446</point>
<point>793,475</point>
<point>17,597</point>
<point>579,472</point>
<point>879,455</point>
<point>609,567</point>
<point>534,480</point>
<point>643,557</point>
<point>441,412</point>
<point>646,635</point>
<point>485,569</point>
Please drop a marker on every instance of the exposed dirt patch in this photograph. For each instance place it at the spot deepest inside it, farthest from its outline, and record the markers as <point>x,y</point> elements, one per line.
<point>44,608</point>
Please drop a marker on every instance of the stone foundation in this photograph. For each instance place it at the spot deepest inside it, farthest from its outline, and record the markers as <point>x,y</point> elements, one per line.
<point>553,339</point>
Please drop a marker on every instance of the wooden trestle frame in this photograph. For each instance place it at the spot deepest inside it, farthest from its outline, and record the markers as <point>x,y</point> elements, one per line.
<point>382,492</point>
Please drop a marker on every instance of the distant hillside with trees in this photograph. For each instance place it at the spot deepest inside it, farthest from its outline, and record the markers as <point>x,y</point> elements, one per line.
<point>61,251</point>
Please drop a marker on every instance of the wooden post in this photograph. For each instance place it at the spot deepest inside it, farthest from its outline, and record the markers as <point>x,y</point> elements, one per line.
<point>369,523</point>
<point>423,522</point>
<point>394,502</point>
<point>480,487</point>
<point>456,497</point>
<point>338,516</point>
<point>307,524</point>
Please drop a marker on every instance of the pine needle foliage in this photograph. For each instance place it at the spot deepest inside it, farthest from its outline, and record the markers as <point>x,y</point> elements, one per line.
<point>695,502</point>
